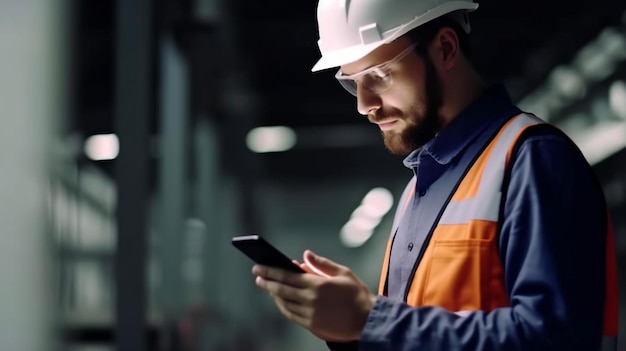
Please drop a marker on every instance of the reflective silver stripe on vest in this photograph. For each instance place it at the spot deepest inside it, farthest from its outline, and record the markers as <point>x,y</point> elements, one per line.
<point>486,204</point>
<point>609,343</point>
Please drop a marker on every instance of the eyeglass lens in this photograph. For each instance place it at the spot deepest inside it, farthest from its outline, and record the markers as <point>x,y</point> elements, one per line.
<point>374,82</point>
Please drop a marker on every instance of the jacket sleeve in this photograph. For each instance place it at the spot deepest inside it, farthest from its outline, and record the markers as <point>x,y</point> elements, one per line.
<point>343,346</point>
<point>552,249</point>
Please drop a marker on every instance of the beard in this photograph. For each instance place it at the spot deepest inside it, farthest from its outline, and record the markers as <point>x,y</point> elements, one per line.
<point>421,127</point>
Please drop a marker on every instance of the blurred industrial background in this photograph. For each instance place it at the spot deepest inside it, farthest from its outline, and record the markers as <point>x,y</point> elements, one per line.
<point>138,137</point>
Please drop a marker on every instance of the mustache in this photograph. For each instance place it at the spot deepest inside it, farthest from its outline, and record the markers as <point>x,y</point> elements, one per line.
<point>382,115</point>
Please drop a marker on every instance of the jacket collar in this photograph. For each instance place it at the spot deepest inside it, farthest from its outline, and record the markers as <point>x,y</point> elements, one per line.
<point>493,104</point>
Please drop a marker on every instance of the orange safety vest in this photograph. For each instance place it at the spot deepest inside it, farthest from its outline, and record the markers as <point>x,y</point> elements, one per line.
<point>462,254</point>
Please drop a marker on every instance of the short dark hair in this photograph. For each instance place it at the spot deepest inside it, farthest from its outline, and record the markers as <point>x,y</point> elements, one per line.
<point>424,34</point>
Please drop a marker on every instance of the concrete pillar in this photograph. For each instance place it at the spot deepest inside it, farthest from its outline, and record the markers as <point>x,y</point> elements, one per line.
<point>32,96</point>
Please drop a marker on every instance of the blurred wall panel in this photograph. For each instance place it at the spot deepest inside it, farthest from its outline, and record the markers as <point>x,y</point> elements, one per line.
<point>32,91</point>
<point>173,173</point>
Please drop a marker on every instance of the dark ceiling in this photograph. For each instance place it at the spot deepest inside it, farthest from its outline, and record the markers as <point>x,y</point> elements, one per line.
<point>280,42</point>
<point>272,46</point>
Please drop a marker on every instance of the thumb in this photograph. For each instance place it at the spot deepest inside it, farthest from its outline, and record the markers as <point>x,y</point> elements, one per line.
<point>304,266</point>
<point>322,265</point>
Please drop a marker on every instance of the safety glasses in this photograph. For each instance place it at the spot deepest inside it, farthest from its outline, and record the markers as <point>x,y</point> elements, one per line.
<point>376,79</point>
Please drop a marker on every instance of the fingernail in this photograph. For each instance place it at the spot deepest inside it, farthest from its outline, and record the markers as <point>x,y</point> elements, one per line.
<point>311,254</point>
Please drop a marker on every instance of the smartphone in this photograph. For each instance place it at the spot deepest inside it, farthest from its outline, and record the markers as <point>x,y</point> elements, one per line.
<point>262,252</point>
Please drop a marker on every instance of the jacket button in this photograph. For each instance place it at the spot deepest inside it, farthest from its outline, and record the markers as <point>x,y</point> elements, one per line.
<point>410,246</point>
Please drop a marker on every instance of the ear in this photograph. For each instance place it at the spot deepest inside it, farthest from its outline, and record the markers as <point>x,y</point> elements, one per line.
<point>446,48</point>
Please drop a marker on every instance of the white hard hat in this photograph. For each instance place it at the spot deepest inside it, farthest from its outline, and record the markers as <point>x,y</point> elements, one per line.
<point>351,29</point>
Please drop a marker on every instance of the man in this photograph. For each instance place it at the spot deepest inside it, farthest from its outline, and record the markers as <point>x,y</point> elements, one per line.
<point>501,239</point>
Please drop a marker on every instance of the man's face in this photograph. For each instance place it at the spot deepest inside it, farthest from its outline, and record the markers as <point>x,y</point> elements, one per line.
<point>407,112</point>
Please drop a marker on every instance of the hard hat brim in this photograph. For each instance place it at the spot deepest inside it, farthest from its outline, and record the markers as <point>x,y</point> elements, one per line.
<point>343,57</point>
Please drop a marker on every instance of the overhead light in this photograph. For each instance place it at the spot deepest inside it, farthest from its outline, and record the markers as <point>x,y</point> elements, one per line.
<point>102,147</point>
<point>601,141</point>
<point>366,217</point>
<point>364,223</point>
<point>568,82</point>
<point>617,98</point>
<point>352,235</point>
<point>377,202</point>
<point>614,43</point>
<point>598,59</point>
<point>271,139</point>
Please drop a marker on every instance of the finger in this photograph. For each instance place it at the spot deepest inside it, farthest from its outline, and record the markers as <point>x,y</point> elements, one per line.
<point>297,263</point>
<point>279,275</point>
<point>296,308</point>
<point>289,314</point>
<point>281,290</point>
<point>303,266</point>
<point>323,266</point>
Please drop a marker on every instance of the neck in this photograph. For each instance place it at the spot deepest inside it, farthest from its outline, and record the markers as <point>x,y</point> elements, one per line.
<point>462,88</point>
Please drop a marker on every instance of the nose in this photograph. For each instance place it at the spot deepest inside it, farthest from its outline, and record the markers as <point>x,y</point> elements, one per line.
<point>367,101</point>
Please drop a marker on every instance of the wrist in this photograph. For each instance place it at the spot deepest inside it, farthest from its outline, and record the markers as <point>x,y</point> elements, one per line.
<point>366,305</point>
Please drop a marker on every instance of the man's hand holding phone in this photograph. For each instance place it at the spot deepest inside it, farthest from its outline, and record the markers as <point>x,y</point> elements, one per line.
<point>330,301</point>
<point>326,298</point>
